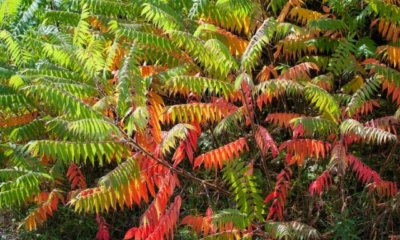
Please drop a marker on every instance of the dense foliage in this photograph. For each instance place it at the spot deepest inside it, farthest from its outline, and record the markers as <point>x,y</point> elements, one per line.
<point>191,119</point>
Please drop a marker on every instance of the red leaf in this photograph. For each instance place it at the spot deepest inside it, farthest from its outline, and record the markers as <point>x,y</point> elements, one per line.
<point>279,194</point>
<point>265,141</point>
<point>323,181</point>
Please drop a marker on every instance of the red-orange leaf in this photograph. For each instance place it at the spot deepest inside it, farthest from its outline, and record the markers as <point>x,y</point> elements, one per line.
<point>153,213</point>
<point>281,119</point>
<point>306,148</point>
<point>48,204</point>
<point>300,71</point>
<point>217,157</point>
<point>201,224</point>
<point>163,230</point>
<point>266,73</point>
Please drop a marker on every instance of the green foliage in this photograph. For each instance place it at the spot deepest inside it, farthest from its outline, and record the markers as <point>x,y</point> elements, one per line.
<point>78,151</point>
<point>243,185</point>
<point>18,185</point>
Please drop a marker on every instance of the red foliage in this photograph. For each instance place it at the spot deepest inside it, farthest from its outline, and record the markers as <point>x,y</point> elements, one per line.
<point>216,158</point>
<point>266,73</point>
<point>201,224</point>
<point>102,233</point>
<point>302,148</point>
<point>247,100</point>
<point>300,71</point>
<point>366,175</point>
<point>48,203</point>
<point>265,141</point>
<point>392,89</point>
<point>76,177</point>
<point>384,188</point>
<point>157,207</point>
<point>155,108</point>
<point>281,119</point>
<point>279,195</point>
<point>323,181</point>
<point>367,107</point>
<point>163,230</point>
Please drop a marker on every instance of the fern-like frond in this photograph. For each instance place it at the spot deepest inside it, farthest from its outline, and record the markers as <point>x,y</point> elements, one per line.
<point>281,119</point>
<point>271,89</point>
<point>253,51</point>
<point>369,134</point>
<point>200,112</point>
<point>323,101</point>
<point>20,120</point>
<point>162,16</point>
<point>25,184</point>
<point>327,24</point>
<point>390,81</point>
<point>304,15</point>
<point>165,229</point>
<point>363,94</point>
<point>76,177</point>
<point>78,151</point>
<point>225,217</point>
<point>8,10</point>
<point>343,60</point>
<point>199,85</point>
<point>299,72</point>
<point>60,100</point>
<point>122,175</point>
<point>231,121</point>
<point>390,53</point>
<point>388,123</point>
<point>114,8</point>
<point>81,31</point>
<point>364,173</point>
<point>315,125</point>
<point>244,186</point>
<point>197,50</point>
<point>13,47</point>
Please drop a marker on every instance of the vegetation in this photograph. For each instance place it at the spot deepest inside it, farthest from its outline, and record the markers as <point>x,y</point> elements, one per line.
<point>225,119</point>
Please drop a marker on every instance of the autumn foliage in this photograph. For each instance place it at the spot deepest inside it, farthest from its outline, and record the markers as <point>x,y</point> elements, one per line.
<point>200,119</point>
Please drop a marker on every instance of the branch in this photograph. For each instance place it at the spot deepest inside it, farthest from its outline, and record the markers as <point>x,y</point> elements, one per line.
<point>166,164</point>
